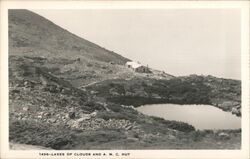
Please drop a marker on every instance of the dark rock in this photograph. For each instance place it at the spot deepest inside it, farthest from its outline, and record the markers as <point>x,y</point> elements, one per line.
<point>72,115</point>
<point>15,91</point>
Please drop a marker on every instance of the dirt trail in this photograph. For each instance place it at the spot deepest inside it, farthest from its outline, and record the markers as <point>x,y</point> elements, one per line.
<point>92,83</point>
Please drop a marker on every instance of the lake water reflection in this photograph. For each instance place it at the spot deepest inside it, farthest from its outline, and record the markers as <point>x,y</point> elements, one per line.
<point>200,116</point>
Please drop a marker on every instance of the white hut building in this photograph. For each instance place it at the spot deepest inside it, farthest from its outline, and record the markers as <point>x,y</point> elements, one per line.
<point>137,67</point>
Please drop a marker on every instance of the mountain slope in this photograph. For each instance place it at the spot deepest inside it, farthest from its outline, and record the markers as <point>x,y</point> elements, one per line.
<point>63,54</point>
<point>36,36</point>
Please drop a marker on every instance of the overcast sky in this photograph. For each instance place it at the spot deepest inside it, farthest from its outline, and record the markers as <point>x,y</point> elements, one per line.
<point>178,41</point>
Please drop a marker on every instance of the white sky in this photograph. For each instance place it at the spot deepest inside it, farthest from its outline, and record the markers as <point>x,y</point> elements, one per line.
<point>180,42</point>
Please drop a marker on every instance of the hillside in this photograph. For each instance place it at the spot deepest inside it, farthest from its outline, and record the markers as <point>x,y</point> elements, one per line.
<point>63,53</point>
<point>68,93</point>
<point>34,35</point>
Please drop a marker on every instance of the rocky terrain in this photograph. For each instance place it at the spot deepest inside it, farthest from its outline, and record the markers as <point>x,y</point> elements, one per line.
<point>222,93</point>
<point>68,93</point>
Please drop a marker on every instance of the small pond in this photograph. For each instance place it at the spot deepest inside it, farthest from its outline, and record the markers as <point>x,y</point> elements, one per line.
<point>200,116</point>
